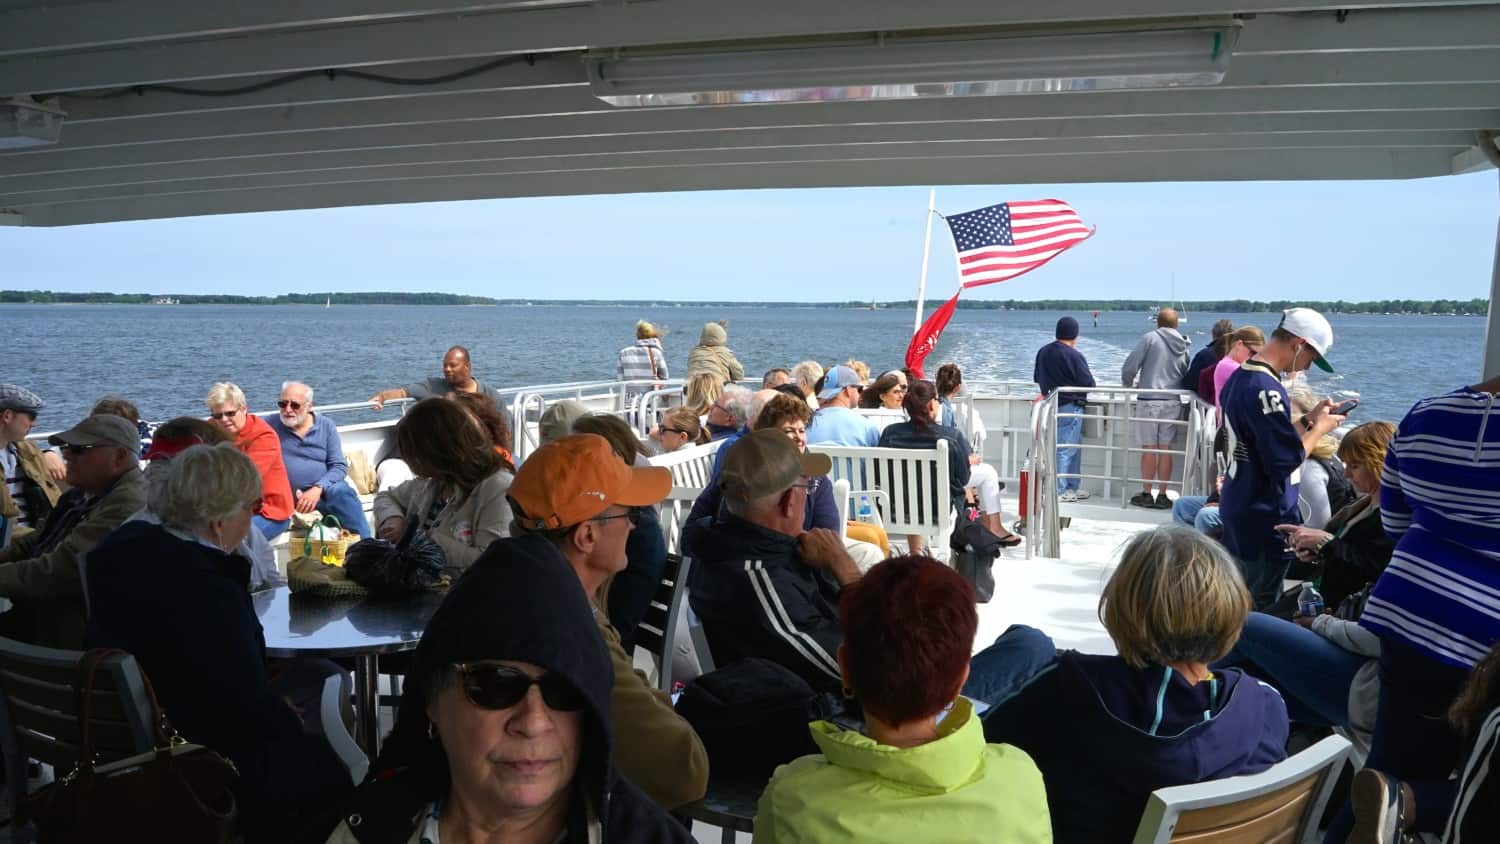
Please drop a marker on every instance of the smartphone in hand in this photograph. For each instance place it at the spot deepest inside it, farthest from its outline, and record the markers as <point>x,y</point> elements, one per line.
<point>1345,408</point>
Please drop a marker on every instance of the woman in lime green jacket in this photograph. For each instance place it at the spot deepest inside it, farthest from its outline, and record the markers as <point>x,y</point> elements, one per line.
<point>920,771</point>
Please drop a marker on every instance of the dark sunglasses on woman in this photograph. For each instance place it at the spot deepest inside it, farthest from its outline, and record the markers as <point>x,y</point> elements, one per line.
<point>489,686</point>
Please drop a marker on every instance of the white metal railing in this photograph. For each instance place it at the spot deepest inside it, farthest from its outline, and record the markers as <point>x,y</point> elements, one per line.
<point>1116,444</point>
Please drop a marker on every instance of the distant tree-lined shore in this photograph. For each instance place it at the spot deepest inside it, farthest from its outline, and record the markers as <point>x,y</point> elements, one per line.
<point>1383,306</point>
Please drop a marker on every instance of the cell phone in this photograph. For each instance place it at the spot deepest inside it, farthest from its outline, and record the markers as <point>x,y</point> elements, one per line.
<point>1343,409</point>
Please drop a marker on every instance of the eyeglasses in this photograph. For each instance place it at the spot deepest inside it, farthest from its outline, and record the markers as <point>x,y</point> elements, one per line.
<point>284,404</point>
<point>632,514</point>
<point>899,388</point>
<point>225,414</point>
<point>811,486</point>
<point>501,687</point>
<point>76,450</point>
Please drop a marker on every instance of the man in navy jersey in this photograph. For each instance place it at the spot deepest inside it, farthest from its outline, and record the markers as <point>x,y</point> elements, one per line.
<point>1268,448</point>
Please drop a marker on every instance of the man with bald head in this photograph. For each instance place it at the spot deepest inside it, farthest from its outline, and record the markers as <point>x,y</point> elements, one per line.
<point>314,458</point>
<point>457,377</point>
<point>1157,363</point>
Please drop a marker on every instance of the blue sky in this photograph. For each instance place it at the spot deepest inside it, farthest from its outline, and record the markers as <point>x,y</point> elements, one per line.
<point>1431,238</point>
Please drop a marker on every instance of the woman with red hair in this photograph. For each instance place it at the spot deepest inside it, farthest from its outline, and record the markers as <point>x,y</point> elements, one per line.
<point>908,628</point>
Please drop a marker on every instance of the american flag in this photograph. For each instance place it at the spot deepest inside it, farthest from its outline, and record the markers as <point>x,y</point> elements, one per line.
<point>1003,241</point>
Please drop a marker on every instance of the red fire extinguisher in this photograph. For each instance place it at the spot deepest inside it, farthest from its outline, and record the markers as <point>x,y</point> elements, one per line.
<point>1026,487</point>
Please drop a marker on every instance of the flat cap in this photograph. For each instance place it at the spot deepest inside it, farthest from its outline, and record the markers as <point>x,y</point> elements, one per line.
<point>14,397</point>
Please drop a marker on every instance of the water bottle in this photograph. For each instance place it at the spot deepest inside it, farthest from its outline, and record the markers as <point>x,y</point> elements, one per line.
<point>865,513</point>
<point>1310,602</point>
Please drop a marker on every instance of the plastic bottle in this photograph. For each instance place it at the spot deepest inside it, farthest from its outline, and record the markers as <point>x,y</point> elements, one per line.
<point>865,513</point>
<point>1309,601</point>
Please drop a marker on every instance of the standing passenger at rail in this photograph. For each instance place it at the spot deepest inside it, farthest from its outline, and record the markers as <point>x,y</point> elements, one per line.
<point>1157,363</point>
<point>1060,364</point>
<point>1267,448</point>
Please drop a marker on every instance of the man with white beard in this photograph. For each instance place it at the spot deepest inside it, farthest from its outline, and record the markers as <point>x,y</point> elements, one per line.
<point>314,459</point>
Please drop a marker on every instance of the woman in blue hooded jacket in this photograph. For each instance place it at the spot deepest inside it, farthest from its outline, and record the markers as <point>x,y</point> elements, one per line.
<point>1107,731</point>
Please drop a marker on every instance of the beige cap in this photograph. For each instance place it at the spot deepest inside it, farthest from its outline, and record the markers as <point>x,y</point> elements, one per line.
<point>766,462</point>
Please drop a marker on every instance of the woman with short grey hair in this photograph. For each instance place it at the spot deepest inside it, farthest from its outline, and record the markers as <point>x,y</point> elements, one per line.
<point>174,596</point>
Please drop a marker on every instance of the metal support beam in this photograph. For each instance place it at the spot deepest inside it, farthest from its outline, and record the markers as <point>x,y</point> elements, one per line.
<point>394,148</point>
<point>72,27</point>
<point>551,29</point>
<point>1183,166</point>
<point>1492,326</point>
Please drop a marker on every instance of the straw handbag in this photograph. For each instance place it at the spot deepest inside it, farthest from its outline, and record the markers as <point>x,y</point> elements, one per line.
<point>327,540</point>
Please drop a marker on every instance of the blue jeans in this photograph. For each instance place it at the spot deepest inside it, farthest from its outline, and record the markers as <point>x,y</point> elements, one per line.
<point>1069,432</point>
<point>1193,511</point>
<point>269,529</point>
<point>1414,741</point>
<point>1003,668</point>
<point>342,502</point>
<point>1264,578</point>
<point>1312,673</point>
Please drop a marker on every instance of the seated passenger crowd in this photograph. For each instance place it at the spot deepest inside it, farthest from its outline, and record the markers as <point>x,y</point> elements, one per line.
<point>523,717</point>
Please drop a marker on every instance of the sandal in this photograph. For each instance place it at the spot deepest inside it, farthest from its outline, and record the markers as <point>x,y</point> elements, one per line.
<point>1011,540</point>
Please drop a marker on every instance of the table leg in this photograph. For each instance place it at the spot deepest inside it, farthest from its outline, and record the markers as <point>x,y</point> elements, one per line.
<point>367,704</point>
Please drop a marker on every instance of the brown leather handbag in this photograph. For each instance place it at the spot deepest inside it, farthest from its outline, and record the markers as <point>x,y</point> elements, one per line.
<point>178,793</point>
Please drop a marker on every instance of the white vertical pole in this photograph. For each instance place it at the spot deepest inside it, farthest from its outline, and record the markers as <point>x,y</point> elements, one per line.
<point>926,250</point>
<point>1492,326</point>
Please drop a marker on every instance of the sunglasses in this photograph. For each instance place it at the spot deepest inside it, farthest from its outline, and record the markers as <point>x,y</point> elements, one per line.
<point>811,486</point>
<point>676,431</point>
<point>632,514</point>
<point>78,449</point>
<point>226,414</point>
<point>284,404</point>
<point>501,687</point>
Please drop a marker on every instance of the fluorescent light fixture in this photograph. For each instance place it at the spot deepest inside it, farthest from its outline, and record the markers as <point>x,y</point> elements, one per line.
<point>27,124</point>
<point>893,66</point>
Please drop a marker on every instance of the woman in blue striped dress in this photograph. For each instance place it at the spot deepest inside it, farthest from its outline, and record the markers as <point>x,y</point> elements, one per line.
<point>1436,607</point>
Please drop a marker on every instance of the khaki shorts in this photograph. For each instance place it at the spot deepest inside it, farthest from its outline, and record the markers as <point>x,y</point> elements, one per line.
<point>1157,425</point>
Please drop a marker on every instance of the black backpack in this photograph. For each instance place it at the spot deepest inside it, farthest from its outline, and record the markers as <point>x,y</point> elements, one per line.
<point>752,715</point>
<point>975,549</point>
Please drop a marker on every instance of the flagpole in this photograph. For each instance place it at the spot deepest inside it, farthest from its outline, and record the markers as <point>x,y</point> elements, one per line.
<point>926,251</point>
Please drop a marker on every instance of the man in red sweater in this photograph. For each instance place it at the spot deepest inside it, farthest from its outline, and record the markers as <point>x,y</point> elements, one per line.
<point>255,437</point>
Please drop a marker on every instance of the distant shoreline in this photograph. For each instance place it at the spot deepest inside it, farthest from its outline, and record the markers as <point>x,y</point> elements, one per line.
<point>1407,307</point>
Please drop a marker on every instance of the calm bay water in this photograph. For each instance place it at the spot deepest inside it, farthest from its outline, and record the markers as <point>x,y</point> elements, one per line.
<point>165,357</point>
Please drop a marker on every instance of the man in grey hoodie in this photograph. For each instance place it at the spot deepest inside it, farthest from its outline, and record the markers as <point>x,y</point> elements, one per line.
<point>1157,362</point>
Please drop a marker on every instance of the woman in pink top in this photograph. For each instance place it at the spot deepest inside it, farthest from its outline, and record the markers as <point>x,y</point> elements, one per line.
<point>1238,346</point>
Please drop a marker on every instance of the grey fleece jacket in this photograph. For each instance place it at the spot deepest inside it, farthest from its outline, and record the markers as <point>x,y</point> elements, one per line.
<point>1157,362</point>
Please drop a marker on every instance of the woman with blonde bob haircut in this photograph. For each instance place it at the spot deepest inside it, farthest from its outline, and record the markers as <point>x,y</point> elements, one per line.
<point>1106,731</point>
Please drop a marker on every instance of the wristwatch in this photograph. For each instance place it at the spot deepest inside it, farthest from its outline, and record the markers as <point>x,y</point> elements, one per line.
<point>1307,424</point>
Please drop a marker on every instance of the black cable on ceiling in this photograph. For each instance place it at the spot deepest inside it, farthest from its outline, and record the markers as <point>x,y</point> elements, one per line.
<point>276,82</point>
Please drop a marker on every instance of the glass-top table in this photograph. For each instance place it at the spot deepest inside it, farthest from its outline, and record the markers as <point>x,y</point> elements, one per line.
<point>355,628</point>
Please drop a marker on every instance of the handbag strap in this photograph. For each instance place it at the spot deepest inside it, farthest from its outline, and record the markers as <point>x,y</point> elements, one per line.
<point>163,733</point>
<point>323,522</point>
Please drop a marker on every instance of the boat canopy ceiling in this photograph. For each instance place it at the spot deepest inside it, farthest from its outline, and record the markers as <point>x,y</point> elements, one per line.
<point>185,107</point>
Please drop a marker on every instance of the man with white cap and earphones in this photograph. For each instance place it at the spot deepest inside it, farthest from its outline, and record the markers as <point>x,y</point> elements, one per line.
<point>1267,448</point>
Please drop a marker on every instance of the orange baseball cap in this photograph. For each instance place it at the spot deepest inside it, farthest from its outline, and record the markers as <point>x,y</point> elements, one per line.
<point>573,479</point>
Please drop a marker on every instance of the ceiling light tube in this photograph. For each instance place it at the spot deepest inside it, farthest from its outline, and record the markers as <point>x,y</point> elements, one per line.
<point>894,67</point>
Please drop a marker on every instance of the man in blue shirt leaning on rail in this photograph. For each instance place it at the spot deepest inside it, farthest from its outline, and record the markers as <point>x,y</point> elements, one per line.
<point>314,458</point>
<point>1267,448</point>
<point>1060,364</point>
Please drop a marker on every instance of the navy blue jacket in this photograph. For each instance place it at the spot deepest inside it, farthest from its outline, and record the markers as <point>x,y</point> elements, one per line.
<point>184,610</point>
<point>1205,359</point>
<point>908,435</point>
<point>757,598</point>
<point>821,511</point>
<point>1105,735</point>
<point>1061,365</point>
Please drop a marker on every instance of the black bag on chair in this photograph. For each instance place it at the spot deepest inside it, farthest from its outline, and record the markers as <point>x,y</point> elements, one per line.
<point>975,550</point>
<point>752,715</point>
<point>393,570</point>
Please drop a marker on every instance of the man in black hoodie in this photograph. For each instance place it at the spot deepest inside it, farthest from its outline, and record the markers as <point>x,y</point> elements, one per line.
<point>505,720</point>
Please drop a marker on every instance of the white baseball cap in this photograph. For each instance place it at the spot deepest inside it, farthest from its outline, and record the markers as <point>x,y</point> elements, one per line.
<point>1312,327</point>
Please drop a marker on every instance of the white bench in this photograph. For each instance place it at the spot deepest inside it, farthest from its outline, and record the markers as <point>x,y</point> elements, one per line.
<point>915,483</point>
<point>692,469</point>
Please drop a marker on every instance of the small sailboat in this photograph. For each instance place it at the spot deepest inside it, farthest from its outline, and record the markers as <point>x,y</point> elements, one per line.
<point>328,302</point>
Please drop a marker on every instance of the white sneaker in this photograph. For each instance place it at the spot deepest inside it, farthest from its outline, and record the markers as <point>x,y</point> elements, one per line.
<point>1069,495</point>
<point>1080,494</point>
